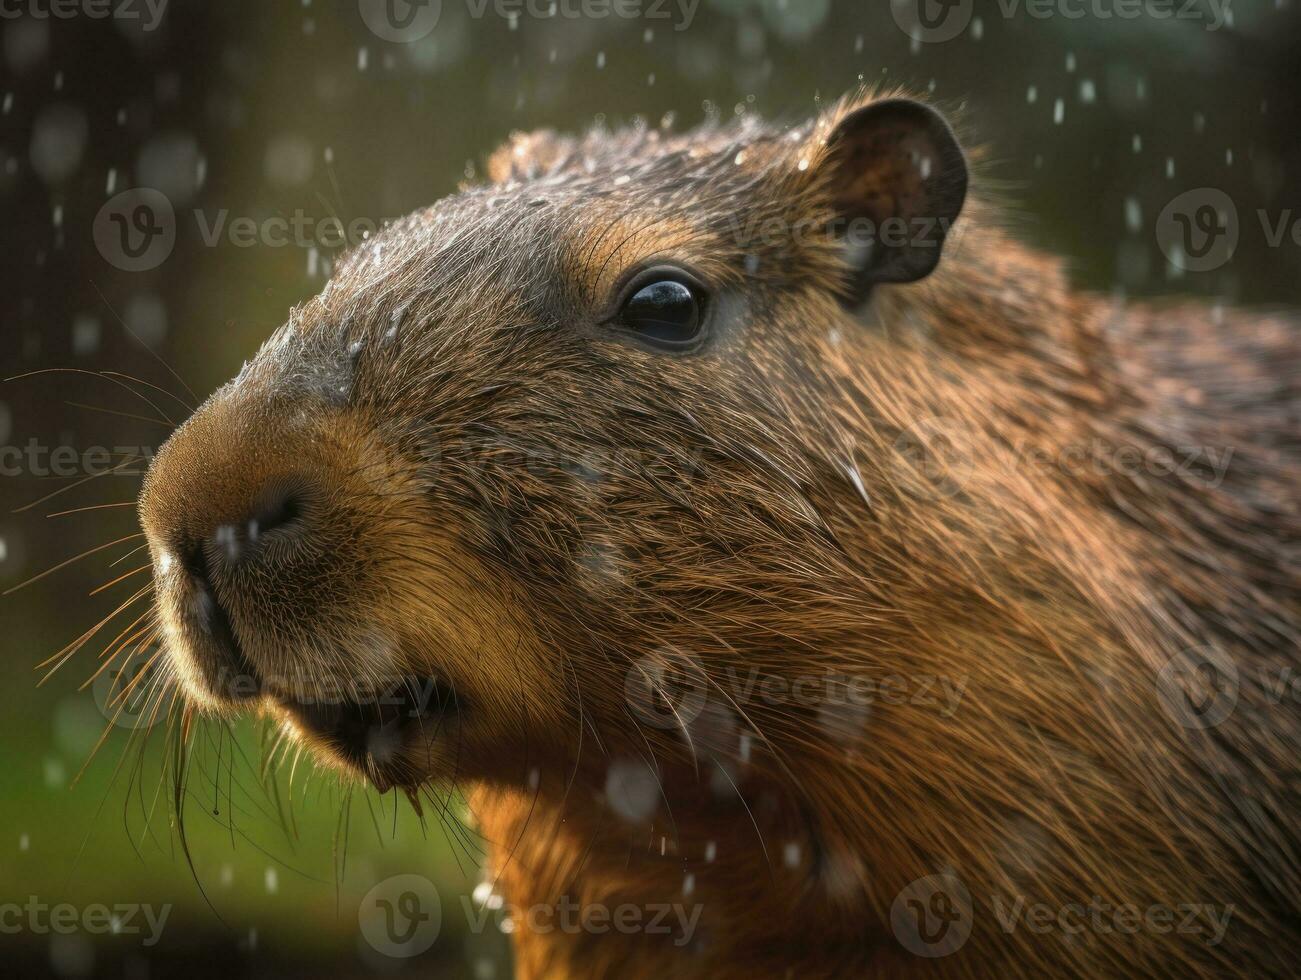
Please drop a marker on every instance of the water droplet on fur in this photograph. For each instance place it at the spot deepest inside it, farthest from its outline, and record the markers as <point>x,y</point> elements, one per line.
<point>228,541</point>
<point>791,854</point>
<point>485,897</point>
<point>632,790</point>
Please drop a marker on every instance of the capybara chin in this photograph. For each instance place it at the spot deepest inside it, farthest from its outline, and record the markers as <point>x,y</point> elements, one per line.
<point>772,546</point>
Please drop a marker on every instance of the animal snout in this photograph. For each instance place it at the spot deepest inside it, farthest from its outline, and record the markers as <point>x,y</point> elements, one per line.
<point>275,516</point>
<point>214,561</point>
<point>237,513</point>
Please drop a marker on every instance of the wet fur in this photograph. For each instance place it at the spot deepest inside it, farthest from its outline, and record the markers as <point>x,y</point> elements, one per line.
<point>536,509</point>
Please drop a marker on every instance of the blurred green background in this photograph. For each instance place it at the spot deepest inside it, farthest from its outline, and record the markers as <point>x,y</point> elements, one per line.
<point>297,108</point>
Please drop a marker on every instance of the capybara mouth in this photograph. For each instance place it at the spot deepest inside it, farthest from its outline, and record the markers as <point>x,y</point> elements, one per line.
<point>372,733</point>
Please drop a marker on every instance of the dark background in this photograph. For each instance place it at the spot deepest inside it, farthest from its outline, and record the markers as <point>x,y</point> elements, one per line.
<point>261,109</point>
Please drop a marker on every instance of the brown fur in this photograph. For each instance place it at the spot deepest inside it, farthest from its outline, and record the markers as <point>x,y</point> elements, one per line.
<point>514,500</point>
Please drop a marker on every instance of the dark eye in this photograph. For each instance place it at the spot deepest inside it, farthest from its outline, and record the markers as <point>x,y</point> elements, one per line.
<point>663,308</point>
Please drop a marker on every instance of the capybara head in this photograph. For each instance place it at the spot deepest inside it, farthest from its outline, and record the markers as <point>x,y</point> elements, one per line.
<point>546,434</point>
<point>552,474</point>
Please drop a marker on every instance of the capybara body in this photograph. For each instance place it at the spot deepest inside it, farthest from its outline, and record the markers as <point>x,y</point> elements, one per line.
<point>845,606</point>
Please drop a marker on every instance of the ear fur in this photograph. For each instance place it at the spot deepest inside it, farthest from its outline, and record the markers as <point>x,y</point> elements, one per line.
<point>528,155</point>
<point>896,179</point>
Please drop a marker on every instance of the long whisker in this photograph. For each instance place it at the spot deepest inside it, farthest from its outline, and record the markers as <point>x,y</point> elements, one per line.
<point>150,628</point>
<point>96,374</point>
<point>153,353</point>
<point>62,657</point>
<point>122,415</point>
<point>66,562</point>
<point>148,384</point>
<point>73,486</point>
<point>118,561</point>
<point>109,585</point>
<point>82,510</point>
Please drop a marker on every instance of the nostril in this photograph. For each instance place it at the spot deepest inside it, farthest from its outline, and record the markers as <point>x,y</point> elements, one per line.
<point>195,561</point>
<point>281,506</point>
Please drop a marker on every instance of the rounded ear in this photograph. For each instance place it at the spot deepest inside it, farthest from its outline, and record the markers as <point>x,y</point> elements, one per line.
<point>528,155</point>
<point>897,179</point>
